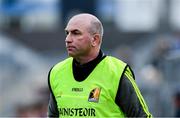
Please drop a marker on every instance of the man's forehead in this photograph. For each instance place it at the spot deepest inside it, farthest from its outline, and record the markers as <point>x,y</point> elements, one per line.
<point>79,21</point>
<point>71,27</point>
<point>77,24</point>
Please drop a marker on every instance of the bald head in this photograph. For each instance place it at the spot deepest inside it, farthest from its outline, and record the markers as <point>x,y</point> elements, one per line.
<point>93,24</point>
<point>83,37</point>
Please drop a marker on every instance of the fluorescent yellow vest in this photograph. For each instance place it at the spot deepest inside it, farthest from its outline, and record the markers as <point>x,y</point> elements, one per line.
<point>93,97</point>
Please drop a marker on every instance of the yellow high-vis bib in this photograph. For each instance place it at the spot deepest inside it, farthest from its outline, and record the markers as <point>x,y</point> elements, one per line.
<point>92,97</point>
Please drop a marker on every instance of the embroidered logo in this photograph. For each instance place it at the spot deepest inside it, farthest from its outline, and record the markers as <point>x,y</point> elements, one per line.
<point>94,95</point>
<point>77,89</point>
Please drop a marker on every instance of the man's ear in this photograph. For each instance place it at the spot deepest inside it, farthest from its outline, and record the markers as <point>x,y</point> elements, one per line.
<point>96,40</point>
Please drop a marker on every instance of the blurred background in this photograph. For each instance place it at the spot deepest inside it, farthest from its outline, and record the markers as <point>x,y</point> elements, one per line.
<point>143,33</point>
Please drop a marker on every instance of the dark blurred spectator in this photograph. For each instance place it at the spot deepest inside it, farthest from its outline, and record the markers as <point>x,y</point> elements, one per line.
<point>160,52</point>
<point>9,3</point>
<point>177,104</point>
<point>175,45</point>
<point>124,53</point>
<point>35,108</point>
<point>9,6</point>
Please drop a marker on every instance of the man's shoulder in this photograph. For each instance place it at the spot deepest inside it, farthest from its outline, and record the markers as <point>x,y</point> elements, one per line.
<point>116,60</point>
<point>63,63</point>
<point>114,63</point>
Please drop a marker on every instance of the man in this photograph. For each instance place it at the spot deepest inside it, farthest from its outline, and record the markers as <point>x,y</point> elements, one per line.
<point>89,83</point>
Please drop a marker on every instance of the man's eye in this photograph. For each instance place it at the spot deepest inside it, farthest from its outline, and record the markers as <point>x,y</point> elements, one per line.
<point>76,32</point>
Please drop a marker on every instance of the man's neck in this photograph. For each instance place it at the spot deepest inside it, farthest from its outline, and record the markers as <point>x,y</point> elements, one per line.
<point>86,59</point>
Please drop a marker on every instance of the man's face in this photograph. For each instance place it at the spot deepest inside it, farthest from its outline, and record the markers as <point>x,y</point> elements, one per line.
<point>78,38</point>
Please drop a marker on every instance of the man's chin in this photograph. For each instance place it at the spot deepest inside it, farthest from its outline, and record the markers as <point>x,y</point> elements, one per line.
<point>71,55</point>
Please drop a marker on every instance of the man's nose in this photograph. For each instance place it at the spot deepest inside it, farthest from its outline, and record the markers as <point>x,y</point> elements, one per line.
<point>68,39</point>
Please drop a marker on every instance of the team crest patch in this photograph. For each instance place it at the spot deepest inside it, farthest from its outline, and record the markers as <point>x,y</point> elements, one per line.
<point>94,95</point>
